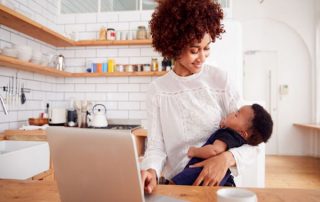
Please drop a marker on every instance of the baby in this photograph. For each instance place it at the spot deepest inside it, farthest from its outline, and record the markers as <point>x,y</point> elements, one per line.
<point>251,124</point>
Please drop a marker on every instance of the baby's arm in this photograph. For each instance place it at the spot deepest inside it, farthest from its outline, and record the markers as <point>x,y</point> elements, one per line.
<point>208,151</point>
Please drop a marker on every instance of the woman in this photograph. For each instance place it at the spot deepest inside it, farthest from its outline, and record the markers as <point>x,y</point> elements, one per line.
<point>186,105</point>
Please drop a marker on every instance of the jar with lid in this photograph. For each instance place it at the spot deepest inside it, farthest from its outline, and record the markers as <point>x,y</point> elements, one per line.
<point>154,64</point>
<point>141,32</point>
<point>111,34</point>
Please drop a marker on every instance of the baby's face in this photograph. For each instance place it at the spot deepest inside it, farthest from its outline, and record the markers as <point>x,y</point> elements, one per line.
<point>240,120</point>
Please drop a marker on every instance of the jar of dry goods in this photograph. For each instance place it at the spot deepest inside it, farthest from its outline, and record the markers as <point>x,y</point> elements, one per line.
<point>141,32</point>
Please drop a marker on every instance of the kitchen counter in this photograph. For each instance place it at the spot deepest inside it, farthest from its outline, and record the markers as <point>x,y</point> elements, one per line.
<point>34,191</point>
<point>41,135</point>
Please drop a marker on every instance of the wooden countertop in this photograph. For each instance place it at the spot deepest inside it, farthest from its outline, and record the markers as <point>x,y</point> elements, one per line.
<point>41,135</point>
<point>34,191</point>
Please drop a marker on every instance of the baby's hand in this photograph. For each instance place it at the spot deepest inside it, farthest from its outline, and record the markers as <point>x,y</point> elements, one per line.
<point>191,151</point>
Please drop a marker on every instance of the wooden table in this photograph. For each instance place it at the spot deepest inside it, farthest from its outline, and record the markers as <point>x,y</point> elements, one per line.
<point>36,191</point>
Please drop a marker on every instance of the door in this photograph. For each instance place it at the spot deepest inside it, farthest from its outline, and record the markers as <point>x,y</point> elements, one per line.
<point>260,86</point>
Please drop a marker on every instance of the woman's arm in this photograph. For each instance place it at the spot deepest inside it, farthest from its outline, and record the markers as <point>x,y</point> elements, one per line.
<point>214,169</point>
<point>155,154</point>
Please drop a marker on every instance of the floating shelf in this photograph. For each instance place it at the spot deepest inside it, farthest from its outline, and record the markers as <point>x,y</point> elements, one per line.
<point>23,24</point>
<point>30,67</point>
<point>27,66</point>
<point>112,43</point>
<point>118,74</point>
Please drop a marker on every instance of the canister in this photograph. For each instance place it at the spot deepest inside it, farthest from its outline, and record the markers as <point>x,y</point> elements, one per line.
<point>141,32</point>
<point>154,64</point>
<point>111,34</point>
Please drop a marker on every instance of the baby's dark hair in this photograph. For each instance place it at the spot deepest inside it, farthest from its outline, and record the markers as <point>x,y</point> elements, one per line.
<point>175,24</point>
<point>261,128</point>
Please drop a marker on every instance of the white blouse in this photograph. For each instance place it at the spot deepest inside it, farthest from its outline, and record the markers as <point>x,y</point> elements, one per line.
<point>184,112</point>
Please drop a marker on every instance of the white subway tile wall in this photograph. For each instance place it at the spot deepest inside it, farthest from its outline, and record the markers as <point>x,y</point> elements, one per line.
<point>124,97</point>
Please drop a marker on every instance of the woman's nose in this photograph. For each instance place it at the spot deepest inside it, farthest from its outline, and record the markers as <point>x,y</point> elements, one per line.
<point>201,56</point>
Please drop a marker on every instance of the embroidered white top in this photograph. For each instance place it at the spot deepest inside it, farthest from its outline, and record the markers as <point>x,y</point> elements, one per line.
<point>184,112</point>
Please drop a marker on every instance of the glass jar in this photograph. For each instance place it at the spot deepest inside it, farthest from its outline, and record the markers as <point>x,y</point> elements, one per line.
<point>141,32</point>
<point>111,34</point>
<point>154,64</point>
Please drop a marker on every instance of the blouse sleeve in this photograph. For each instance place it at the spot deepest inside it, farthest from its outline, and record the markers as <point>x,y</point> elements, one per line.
<point>245,154</point>
<point>155,154</point>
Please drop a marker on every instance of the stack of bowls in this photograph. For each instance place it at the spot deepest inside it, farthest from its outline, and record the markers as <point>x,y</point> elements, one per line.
<point>24,52</point>
<point>36,57</point>
<point>11,52</point>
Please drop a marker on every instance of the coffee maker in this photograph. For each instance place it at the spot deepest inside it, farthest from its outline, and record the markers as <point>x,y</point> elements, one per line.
<point>72,118</point>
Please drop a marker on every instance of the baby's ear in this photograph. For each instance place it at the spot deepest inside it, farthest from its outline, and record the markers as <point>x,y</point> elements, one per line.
<point>244,134</point>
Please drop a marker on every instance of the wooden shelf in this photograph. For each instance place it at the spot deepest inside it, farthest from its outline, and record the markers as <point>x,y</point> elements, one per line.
<point>112,43</point>
<point>23,24</point>
<point>309,126</point>
<point>118,74</point>
<point>30,67</point>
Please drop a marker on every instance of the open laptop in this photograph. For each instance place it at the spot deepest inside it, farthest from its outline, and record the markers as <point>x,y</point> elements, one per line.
<point>97,165</point>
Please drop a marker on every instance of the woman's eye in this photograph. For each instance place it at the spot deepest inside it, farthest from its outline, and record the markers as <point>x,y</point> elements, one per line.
<point>207,48</point>
<point>194,51</point>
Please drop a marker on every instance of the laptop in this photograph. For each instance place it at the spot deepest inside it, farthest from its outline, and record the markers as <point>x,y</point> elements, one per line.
<point>97,165</point>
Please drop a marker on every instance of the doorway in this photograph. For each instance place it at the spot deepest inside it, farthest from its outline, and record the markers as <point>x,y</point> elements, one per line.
<point>260,86</point>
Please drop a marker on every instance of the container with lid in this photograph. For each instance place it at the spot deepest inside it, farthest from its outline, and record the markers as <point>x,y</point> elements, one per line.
<point>141,32</point>
<point>111,34</point>
<point>154,64</point>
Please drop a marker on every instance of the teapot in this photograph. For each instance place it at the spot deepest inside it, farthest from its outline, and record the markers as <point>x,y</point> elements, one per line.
<point>98,118</point>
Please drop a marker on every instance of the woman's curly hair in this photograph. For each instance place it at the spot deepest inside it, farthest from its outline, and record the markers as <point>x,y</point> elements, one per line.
<point>176,24</point>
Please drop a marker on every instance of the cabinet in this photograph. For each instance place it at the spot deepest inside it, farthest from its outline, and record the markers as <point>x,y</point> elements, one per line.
<point>18,22</point>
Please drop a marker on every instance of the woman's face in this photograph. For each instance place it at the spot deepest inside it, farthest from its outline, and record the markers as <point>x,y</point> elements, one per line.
<point>192,57</point>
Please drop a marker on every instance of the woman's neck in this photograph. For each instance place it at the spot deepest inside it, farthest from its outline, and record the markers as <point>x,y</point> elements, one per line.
<point>181,70</point>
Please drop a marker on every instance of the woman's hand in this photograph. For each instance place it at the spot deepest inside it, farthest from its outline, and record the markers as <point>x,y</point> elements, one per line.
<point>149,180</point>
<point>214,169</point>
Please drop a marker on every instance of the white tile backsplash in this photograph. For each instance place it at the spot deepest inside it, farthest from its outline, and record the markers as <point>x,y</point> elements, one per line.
<point>129,52</point>
<point>106,87</point>
<point>124,97</point>
<point>128,87</point>
<point>84,87</point>
<point>107,17</point>
<point>137,96</point>
<point>129,105</point>
<point>129,16</point>
<point>86,18</point>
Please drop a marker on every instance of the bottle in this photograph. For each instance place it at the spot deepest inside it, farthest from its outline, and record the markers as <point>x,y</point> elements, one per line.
<point>154,64</point>
<point>111,65</point>
<point>102,33</point>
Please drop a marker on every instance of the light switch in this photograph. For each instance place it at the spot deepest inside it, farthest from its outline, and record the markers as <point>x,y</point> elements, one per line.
<point>284,89</point>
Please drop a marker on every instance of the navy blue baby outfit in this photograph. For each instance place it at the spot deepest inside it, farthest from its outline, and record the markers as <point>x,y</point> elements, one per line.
<point>189,175</point>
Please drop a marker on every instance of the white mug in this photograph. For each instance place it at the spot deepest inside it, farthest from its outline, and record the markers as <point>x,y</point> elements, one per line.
<point>235,195</point>
<point>123,35</point>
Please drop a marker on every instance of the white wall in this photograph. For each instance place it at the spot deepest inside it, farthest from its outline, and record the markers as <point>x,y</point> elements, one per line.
<point>43,88</point>
<point>277,26</point>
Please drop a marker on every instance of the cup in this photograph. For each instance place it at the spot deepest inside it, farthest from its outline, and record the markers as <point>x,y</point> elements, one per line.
<point>118,35</point>
<point>236,195</point>
<point>123,35</point>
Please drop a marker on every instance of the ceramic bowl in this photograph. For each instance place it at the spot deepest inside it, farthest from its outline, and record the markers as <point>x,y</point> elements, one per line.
<point>11,52</point>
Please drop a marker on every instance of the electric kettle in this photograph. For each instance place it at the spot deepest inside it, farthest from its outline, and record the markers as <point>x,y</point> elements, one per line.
<point>98,118</point>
